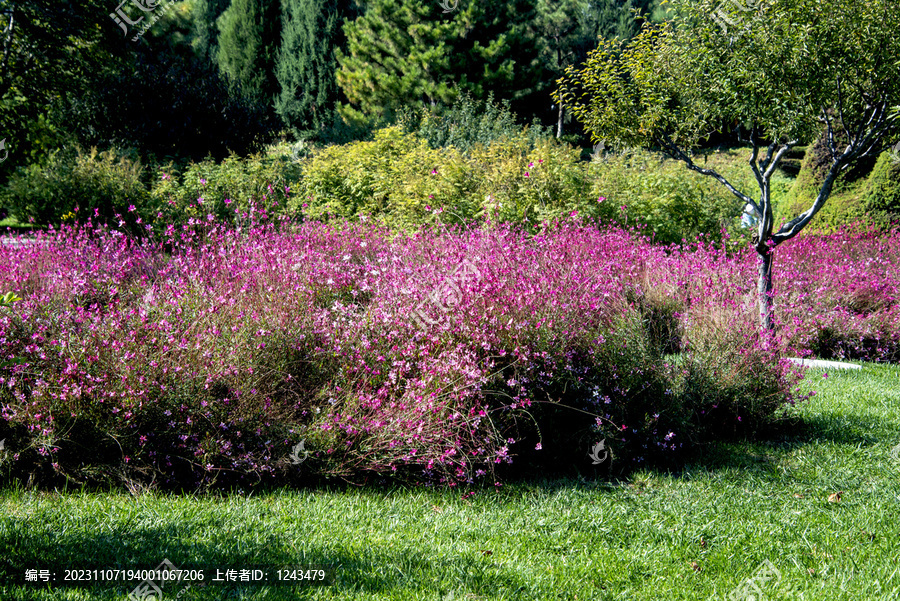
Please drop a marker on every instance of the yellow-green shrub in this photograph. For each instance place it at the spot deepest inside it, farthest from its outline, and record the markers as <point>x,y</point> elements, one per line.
<point>220,189</point>
<point>881,197</point>
<point>672,202</point>
<point>399,179</point>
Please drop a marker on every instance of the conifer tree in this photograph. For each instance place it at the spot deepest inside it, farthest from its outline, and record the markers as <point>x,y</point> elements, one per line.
<point>204,36</point>
<point>306,64</point>
<point>409,53</point>
<point>249,36</point>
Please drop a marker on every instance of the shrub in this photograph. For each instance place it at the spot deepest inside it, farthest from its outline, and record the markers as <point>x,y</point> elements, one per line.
<point>80,185</point>
<point>228,190</point>
<point>400,180</point>
<point>671,203</point>
<point>881,197</point>
<point>467,123</point>
<point>391,178</point>
<point>206,358</point>
<point>530,186</point>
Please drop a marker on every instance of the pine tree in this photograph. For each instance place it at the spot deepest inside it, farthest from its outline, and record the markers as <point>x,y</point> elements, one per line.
<point>396,56</point>
<point>410,53</point>
<point>249,35</point>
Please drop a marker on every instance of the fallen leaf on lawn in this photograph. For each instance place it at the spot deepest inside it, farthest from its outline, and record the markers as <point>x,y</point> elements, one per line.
<point>798,496</point>
<point>436,509</point>
<point>835,497</point>
<point>486,552</point>
<point>696,566</point>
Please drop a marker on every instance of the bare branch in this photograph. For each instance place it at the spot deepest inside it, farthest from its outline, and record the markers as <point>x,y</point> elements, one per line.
<point>767,161</point>
<point>781,152</point>
<point>678,154</point>
<point>795,225</point>
<point>830,132</point>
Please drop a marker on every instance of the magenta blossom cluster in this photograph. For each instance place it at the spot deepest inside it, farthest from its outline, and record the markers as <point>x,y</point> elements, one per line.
<point>209,354</point>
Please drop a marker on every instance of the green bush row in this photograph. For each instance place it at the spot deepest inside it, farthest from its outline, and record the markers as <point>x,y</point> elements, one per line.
<point>398,178</point>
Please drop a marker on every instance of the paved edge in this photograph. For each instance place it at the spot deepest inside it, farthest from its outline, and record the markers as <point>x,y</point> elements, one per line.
<point>819,363</point>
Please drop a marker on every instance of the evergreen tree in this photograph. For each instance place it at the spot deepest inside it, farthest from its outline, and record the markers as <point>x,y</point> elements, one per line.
<point>306,63</point>
<point>396,56</point>
<point>249,35</point>
<point>408,53</point>
<point>204,37</point>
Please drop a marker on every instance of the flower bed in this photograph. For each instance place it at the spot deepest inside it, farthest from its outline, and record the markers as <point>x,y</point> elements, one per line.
<point>209,355</point>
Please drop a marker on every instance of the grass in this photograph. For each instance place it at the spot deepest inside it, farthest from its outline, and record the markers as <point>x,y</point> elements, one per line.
<point>692,535</point>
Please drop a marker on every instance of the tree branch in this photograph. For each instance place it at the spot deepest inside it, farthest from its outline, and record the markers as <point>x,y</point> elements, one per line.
<point>795,225</point>
<point>781,152</point>
<point>676,153</point>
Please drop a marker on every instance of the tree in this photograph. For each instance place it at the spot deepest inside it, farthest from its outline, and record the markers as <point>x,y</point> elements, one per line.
<point>397,56</point>
<point>168,105</point>
<point>306,63</point>
<point>249,36</point>
<point>48,51</point>
<point>780,72</point>
<point>570,29</point>
<point>410,54</point>
<point>204,36</point>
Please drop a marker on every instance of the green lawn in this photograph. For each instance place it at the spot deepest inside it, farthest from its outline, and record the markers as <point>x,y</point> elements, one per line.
<point>694,535</point>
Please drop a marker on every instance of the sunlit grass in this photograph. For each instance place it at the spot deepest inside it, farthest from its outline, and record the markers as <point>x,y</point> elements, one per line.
<point>691,535</point>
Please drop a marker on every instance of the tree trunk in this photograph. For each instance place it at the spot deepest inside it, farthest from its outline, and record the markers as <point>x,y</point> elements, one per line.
<point>764,289</point>
<point>559,120</point>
